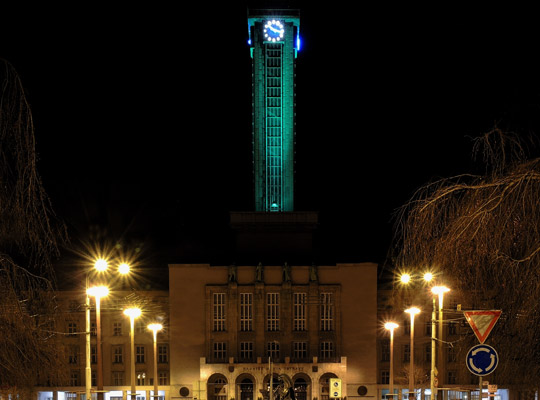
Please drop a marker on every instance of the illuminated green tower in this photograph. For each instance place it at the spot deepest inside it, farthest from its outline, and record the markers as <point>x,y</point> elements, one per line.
<point>274,43</point>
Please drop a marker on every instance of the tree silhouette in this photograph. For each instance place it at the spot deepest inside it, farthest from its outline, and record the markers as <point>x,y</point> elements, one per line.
<point>482,234</point>
<point>30,236</point>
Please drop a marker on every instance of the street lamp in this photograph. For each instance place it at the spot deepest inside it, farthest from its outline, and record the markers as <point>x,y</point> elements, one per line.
<point>439,291</point>
<point>98,292</point>
<point>391,326</point>
<point>132,313</point>
<point>412,311</point>
<point>155,328</point>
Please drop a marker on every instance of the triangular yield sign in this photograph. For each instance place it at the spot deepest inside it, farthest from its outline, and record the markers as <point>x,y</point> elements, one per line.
<point>482,322</point>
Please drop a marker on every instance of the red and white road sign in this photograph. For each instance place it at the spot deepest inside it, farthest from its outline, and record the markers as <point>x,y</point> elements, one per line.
<point>482,322</point>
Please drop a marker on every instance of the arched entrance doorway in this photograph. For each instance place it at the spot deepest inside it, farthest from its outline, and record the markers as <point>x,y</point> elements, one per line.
<point>324,385</point>
<point>300,388</point>
<point>217,387</point>
<point>245,386</point>
<point>266,385</point>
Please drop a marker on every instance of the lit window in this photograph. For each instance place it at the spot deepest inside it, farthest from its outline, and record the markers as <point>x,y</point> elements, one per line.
<point>219,312</point>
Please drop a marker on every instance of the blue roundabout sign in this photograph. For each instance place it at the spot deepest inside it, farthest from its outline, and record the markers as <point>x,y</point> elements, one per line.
<point>482,359</point>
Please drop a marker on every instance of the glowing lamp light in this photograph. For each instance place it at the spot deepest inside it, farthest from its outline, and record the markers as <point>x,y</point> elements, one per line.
<point>155,327</point>
<point>390,326</point>
<point>98,291</point>
<point>133,312</point>
<point>101,265</point>
<point>428,276</point>
<point>439,290</point>
<point>405,278</point>
<point>124,268</point>
<point>412,310</point>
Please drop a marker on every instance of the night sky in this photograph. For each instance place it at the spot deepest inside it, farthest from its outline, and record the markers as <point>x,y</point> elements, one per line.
<point>143,114</point>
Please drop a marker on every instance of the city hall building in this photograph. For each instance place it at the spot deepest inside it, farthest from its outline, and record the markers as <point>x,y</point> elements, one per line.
<point>233,331</point>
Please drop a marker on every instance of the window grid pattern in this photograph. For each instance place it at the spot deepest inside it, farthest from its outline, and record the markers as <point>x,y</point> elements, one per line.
<point>118,354</point>
<point>163,354</point>
<point>246,351</point>
<point>219,312</point>
<point>220,351</point>
<point>300,350</point>
<point>272,350</point>
<point>326,350</point>
<point>140,356</point>
<point>406,352</point>
<point>327,312</point>
<point>246,312</point>
<point>299,305</point>
<point>385,350</point>
<point>272,311</point>
<point>274,127</point>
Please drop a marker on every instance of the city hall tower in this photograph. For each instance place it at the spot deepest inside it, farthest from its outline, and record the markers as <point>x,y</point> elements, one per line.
<point>274,44</point>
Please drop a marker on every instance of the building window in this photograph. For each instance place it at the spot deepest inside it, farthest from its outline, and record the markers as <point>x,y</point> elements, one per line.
<point>73,355</point>
<point>451,354</point>
<point>428,328</point>
<point>326,350</point>
<point>246,312</point>
<point>93,377</point>
<point>246,351</point>
<point>300,350</point>
<point>118,378</point>
<point>72,328</point>
<point>93,328</point>
<point>75,378</point>
<point>407,326</point>
<point>141,378</point>
<point>272,311</point>
<point>117,328</point>
<point>299,305</point>
<point>140,327</point>
<point>451,377</point>
<point>406,352</point>
<point>327,312</point>
<point>163,353</point>
<point>220,351</point>
<point>219,312</point>
<point>163,378</point>
<point>427,352</point>
<point>385,350</point>
<point>385,377</point>
<point>452,328</point>
<point>118,354</point>
<point>272,350</point>
<point>139,354</point>
<point>93,354</point>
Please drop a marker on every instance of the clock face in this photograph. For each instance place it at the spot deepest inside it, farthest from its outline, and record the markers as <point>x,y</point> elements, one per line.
<point>273,31</point>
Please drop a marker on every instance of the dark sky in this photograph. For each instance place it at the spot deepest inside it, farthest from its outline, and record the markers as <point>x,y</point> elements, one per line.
<point>143,113</point>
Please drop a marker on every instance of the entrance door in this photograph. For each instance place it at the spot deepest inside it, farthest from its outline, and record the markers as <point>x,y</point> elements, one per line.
<point>246,389</point>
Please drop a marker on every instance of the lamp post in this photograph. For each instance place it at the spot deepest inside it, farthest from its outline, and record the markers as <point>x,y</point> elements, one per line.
<point>439,291</point>
<point>412,311</point>
<point>98,292</point>
<point>88,370</point>
<point>391,326</point>
<point>132,313</point>
<point>155,328</point>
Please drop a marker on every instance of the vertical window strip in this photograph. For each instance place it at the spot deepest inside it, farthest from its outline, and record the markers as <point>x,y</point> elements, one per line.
<point>327,312</point>
<point>299,312</point>
<point>220,351</point>
<point>272,301</point>
<point>246,312</point>
<point>219,312</point>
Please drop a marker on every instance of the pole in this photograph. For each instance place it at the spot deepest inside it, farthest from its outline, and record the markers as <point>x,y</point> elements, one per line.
<point>440,334</point>
<point>433,367</point>
<point>270,391</point>
<point>99,358</point>
<point>155,366</point>
<point>88,370</point>
<point>411,361</point>
<point>391,385</point>
<point>132,335</point>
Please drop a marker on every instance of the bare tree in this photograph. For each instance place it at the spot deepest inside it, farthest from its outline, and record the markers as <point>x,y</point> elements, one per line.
<point>482,234</point>
<point>30,236</point>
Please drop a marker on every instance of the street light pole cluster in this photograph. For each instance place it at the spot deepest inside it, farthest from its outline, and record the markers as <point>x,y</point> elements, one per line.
<point>437,291</point>
<point>99,292</point>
